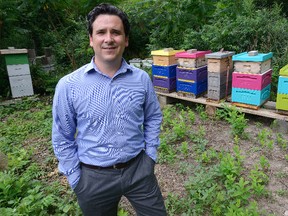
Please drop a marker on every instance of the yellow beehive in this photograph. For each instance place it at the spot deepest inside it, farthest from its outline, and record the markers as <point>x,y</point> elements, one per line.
<point>165,56</point>
<point>284,71</point>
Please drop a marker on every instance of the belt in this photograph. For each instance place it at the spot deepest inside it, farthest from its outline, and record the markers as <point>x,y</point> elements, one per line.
<point>115,166</point>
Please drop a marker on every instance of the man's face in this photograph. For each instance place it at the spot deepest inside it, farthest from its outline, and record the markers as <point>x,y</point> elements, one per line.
<point>108,39</point>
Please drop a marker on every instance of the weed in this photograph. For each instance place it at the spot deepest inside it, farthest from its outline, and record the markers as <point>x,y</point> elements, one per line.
<point>166,152</point>
<point>283,143</point>
<point>264,163</point>
<point>282,193</point>
<point>201,111</point>
<point>185,149</point>
<point>265,139</point>
<point>236,119</point>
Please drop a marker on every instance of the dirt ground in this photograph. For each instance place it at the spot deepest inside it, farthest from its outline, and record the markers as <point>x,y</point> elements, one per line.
<point>218,134</point>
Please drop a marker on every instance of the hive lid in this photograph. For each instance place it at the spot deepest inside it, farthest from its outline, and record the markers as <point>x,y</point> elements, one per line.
<point>220,54</point>
<point>192,53</point>
<point>13,51</point>
<point>165,52</point>
<point>135,60</point>
<point>252,56</point>
<point>284,71</point>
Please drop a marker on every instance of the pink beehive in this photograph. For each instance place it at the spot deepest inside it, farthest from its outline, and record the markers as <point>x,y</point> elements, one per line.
<point>251,81</point>
<point>192,58</point>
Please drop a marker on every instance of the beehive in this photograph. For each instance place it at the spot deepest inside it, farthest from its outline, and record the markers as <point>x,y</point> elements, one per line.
<point>284,71</point>
<point>192,58</point>
<point>165,82</point>
<point>167,71</point>
<point>193,74</point>
<point>252,62</point>
<point>252,97</point>
<point>188,86</point>
<point>165,56</point>
<point>282,102</point>
<point>217,93</point>
<point>220,61</point>
<point>251,81</point>
<point>18,71</point>
<point>216,79</point>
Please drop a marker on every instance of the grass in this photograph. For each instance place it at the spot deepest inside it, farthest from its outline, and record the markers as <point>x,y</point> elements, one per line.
<point>218,179</point>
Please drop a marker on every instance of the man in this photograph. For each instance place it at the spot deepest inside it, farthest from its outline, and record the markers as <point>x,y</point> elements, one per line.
<point>114,110</point>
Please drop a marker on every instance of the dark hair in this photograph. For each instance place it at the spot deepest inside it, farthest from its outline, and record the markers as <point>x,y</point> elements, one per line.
<point>109,9</point>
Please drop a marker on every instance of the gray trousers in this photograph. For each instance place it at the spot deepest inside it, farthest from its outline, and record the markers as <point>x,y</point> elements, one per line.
<point>99,191</point>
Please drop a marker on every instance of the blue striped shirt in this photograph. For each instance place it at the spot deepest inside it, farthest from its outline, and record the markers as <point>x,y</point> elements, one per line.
<point>102,121</point>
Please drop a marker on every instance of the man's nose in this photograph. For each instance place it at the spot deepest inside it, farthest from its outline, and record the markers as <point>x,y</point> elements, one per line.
<point>109,37</point>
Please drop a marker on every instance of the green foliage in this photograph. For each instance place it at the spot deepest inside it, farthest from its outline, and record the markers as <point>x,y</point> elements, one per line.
<point>265,139</point>
<point>25,133</point>
<point>235,118</point>
<point>202,24</point>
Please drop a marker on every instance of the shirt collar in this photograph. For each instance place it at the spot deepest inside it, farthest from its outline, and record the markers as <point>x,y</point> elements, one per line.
<point>125,67</point>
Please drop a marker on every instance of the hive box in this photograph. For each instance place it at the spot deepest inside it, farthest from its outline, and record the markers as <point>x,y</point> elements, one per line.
<point>251,81</point>
<point>252,62</point>
<point>195,74</point>
<point>18,69</point>
<point>195,88</point>
<point>284,71</point>
<point>165,56</point>
<point>136,62</point>
<point>21,85</point>
<point>219,92</point>
<point>147,63</point>
<point>192,58</point>
<point>252,97</point>
<point>220,61</point>
<point>166,71</point>
<point>165,82</point>
<point>283,85</point>
<point>282,102</point>
<point>216,79</point>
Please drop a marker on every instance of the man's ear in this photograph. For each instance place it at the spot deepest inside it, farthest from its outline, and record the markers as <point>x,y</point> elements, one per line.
<point>91,40</point>
<point>126,41</point>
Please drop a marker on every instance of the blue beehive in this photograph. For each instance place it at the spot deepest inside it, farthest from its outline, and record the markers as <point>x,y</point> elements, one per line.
<point>252,97</point>
<point>166,71</point>
<point>252,62</point>
<point>195,88</point>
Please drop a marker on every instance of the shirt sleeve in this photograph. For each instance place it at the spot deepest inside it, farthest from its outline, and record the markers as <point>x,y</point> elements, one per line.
<point>63,133</point>
<point>152,120</point>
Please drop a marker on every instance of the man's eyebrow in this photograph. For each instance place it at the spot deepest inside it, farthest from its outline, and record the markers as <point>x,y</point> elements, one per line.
<point>100,30</point>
